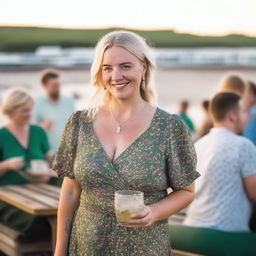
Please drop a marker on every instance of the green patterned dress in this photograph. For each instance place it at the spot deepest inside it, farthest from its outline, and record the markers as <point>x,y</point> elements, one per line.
<point>163,156</point>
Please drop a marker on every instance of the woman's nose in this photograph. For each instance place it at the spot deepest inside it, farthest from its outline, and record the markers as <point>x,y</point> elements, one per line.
<point>117,74</point>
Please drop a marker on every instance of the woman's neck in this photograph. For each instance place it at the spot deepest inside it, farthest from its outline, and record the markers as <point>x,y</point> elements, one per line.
<point>16,126</point>
<point>125,108</point>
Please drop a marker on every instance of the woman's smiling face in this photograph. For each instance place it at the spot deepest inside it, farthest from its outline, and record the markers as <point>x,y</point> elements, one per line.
<point>22,114</point>
<point>122,73</point>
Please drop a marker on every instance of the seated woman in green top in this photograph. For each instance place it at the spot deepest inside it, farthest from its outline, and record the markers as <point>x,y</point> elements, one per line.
<point>20,143</point>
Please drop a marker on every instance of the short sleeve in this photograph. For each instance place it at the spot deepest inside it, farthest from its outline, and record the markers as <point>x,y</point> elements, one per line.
<point>1,153</point>
<point>180,154</point>
<point>247,157</point>
<point>64,160</point>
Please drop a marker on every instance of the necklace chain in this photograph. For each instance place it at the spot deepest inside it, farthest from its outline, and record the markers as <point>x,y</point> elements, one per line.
<point>118,128</point>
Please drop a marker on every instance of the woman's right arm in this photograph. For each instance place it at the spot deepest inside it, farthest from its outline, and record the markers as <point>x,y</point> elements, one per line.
<point>3,168</point>
<point>10,164</point>
<point>69,202</point>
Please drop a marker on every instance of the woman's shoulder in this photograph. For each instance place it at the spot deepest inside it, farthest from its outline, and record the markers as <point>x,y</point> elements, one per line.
<point>171,119</point>
<point>80,115</point>
<point>77,119</point>
<point>2,129</point>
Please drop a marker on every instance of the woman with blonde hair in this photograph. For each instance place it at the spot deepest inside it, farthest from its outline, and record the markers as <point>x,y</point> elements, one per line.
<point>124,142</point>
<point>234,83</point>
<point>20,143</point>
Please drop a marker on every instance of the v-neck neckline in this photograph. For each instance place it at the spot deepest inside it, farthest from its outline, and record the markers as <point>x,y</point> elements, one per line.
<point>13,135</point>
<point>134,142</point>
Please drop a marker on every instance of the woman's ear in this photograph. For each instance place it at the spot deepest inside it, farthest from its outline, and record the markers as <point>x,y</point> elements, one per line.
<point>144,70</point>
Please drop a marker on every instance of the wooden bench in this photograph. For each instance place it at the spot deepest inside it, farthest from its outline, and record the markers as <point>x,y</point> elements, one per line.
<point>36,199</point>
<point>11,245</point>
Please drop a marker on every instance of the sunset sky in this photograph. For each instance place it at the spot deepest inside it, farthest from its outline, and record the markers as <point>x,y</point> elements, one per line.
<point>195,16</point>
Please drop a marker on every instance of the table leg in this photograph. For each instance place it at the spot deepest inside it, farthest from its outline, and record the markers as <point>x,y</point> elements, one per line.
<point>53,222</point>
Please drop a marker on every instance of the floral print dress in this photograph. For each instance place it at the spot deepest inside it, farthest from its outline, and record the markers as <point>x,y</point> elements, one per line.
<point>161,157</point>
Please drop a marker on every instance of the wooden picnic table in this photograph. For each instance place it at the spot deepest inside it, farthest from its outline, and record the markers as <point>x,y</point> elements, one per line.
<point>39,199</point>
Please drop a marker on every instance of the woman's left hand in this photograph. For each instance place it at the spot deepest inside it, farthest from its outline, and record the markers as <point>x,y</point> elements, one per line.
<point>143,219</point>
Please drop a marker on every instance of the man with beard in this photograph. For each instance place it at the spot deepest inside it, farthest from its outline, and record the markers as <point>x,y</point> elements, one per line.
<point>52,109</point>
<point>217,221</point>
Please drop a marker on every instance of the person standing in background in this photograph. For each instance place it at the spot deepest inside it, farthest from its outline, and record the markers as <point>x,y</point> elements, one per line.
<point>222,208</point>
<point>250,132</point>
<point>206,124</point>
<point>224,157</point>
<point>183,107</point>
<point>52,109</point>
<point>250,104</point>
<point>233,83</point>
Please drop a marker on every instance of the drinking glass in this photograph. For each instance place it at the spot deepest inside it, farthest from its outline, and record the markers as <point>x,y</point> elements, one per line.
<point>39,167</point>
<point>128,202</point>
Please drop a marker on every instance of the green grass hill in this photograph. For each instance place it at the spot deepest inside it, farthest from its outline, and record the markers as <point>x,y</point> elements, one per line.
<point>29,38</point>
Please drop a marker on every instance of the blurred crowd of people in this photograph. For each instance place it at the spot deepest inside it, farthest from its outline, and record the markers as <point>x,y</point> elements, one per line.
<point>225,145</point>
<point>32,132</point>
<point>223,211</point>
<point>231,82</point>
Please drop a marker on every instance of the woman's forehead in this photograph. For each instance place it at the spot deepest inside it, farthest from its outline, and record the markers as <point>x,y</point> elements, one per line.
<point>117,55</point>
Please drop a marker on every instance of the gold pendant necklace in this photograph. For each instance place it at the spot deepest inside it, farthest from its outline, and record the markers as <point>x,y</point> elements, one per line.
<point>118,128</point>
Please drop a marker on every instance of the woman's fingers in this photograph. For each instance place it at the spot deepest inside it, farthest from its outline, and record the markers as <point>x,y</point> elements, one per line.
<point>142,214</point>
<point>142,219</point>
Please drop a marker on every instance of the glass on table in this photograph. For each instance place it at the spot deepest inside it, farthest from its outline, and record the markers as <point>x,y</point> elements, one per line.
<point>39,167</point>
<point>128,202</point>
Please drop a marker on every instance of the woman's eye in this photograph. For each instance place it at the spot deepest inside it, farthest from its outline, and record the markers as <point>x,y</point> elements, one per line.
<point>106,68</point>
<point>126,66</point>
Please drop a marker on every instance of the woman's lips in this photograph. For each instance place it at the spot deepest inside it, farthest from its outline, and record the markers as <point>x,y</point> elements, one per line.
<point>120,86</point>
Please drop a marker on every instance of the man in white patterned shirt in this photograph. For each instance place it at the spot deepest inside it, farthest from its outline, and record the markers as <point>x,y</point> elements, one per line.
<point>217,221</point>
<point>227,164</point>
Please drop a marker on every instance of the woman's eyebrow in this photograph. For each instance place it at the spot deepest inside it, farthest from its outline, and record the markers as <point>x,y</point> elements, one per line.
<point>123,63</point>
